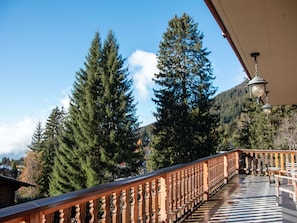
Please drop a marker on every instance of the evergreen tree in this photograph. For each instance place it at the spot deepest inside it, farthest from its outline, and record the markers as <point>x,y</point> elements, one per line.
<point>119,122</point>
<point>67,175</point>
<point>99,133</point>
<point>257,130</point>
<point>70,172</point>
<point>50,145</point>
<point>185,128</point>
<point>37,139</point>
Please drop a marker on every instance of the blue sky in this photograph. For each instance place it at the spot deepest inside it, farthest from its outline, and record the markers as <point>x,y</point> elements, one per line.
<point>44,43</point>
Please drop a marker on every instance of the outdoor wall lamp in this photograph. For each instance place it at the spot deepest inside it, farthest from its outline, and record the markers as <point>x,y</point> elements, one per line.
<point>267,108</point>
<point>257,85</point>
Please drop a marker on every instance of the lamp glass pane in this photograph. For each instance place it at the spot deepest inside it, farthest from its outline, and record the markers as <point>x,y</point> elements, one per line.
<point>267,111</point>
<point>258,90</point>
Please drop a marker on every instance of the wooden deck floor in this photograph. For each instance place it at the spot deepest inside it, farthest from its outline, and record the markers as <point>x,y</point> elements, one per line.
<point>246,199</point>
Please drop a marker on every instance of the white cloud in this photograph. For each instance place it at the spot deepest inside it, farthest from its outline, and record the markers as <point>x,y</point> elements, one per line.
<point>239,76</point>
<point>15,137</point>
<point>65,102</point>
<point>143,66</point>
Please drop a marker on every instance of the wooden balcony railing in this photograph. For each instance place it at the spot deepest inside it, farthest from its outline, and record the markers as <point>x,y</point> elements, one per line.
<point>166,195</point>
<point>257,161</point>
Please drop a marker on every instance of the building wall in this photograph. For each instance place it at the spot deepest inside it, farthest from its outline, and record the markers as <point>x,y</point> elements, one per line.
<point>6,195</point>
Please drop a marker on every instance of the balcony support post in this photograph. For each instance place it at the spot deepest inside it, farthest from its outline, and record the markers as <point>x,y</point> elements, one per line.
<point>226,175</point>
<point>163,199</point>
<point>205,182</point>
<point>247,168</point>
<point>237,162</point>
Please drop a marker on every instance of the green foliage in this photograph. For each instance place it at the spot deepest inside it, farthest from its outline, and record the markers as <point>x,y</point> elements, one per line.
<point>50,145</point>
<point>185,128</point>
<point>99,136</point>
<point>66,174</point>
<point>254,129</point>
<point>37,139</point>
<point>230,102</point>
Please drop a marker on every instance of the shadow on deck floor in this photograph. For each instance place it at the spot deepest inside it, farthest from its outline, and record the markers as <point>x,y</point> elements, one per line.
<point>246,198</point>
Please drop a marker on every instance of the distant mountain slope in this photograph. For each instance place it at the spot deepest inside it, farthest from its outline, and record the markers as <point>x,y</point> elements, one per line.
<point>230,102</point>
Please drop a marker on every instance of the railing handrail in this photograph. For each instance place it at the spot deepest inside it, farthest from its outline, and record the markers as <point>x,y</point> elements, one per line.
<point>265,151</point>
<point>85,194</point>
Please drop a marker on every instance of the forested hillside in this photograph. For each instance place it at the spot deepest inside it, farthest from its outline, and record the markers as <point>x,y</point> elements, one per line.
<point>229,103</point>
<point>243,124</point>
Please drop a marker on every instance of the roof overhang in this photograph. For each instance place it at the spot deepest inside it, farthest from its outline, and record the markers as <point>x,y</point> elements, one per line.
<point>270,28</point>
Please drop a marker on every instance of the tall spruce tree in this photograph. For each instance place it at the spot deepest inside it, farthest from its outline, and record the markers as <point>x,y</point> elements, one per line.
<point>80,133</point>
<point>185,128</point>
<point>119,122</point>
<point>99,132</point>
<point>37,139</point>
<point>50,145</point>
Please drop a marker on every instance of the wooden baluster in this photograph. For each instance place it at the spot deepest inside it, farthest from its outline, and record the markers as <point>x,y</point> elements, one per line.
<point>265,160</point>
<point>181,205</point>
<point>247,164</point>
<point>116,207</point>
<point>197,194</point>
<point>192,188</point>
<point>170,193</point>
<point>201,183</point>
<point>257,164</point>
<point>141,203</point>
<point>134,204</point>
<point>148,201</point>
<point>91,211</point>
<point>276,160</point>
<point>271,163</point>
<point>43,219</point>
<point>253,163</point>
<point>142,192</point>
<point>287,159</point>
<point>178,193</point>
<point>126,207</point>
<point>105,218</point>
<point>186,189</point>
<point>174,195</point>
<point>195,181</point>
<point>261,163</point>
<point>164,194</point>
<point>61,216</point>
<point>282,161</point>
<point>77,213</point>
<point>209,176</point>
<point>154,201</point>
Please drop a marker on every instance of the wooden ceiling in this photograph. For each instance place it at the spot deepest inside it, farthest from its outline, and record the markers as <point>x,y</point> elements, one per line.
<point>270,28</point>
